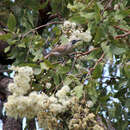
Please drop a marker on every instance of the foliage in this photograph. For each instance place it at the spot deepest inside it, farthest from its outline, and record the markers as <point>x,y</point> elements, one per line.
<point>99,70</point>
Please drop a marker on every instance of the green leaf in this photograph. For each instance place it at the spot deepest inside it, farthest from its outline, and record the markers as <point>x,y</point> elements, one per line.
<point>125,12</point>
<point>88,16</point>
<point>78,19</point>
<point>56,30</point>
<point>92,92</point>
<point>63,39</point>
<point>44,66</point>
<point>116,50</point>
<point>6,36</point>
<point>37,71</point>
<point>56,78</point>
<point>38,55</point>
<point>97,71</point>
<point>127,104</point>
<point>98,14</point>
<point>11,22</point>
<point>79,91</point>
<point>127,69</point>
<point>7,49</point>
<point>22,45</point>
<point>100,35</point>
<point>111,112</point>
<point>62,69</point>
<point>43,5</point>
<point>33,4</point>
<point>106,49</point>
<point>68,81</point>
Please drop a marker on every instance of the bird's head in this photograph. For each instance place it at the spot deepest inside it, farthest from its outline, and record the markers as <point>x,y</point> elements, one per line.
<point>74,41</point>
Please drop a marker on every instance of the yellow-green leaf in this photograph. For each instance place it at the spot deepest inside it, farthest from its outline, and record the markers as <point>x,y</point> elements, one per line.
<point>11,22</point>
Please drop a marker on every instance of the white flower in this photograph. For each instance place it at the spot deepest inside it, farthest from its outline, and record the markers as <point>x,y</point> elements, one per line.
<point>48,85</point>
<point>52,99</point>
<point>62,93</point>
<point>56,108</point>
<point>14,68</point>
<point>76,32</point>
<point>116,6</point>
<point>89,103</point>
<point>25,70</point>
<point>73,25</point>
<point>73,37</point>
<point>66,88</point>
<point>67,24</point>
<point>86,36</point>
<point>24,106</point>
<point>22,80</point>
<point>66,102</point>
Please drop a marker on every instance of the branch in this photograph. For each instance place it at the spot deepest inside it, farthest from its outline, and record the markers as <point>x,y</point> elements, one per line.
<point>82,54</point>
<point>86,53</point>
<point>45,25</point>
<point>98,61</point>
<point>122,35</point>
<point>122,29</point>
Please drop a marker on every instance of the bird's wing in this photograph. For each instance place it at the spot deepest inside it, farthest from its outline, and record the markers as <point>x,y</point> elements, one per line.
<point>60,48</point>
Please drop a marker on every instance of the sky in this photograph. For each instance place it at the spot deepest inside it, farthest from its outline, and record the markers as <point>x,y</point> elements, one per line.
<point>0,125</point>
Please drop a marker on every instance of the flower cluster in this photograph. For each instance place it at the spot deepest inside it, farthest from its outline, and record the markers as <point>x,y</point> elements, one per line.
<point>24,106</point>
<point>83,118</point>
<point>19,105</point>
<point>56,105</point>
<point>22,79</point>
<point>74,31</point>
<point>49,110</point>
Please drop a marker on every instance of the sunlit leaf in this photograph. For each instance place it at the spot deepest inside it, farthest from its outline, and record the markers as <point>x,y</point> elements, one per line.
<point>44,66</point>
<point>117,51</point>
<point>79,91</point>
<point>7,49</point>
<point>11,22</point>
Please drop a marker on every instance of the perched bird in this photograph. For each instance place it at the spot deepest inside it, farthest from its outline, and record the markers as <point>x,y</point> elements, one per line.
<point>62,49</point>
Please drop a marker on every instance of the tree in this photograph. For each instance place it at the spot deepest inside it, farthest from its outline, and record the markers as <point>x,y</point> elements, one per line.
<point>86,89</point>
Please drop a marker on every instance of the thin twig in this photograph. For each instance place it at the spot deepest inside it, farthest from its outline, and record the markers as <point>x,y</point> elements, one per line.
<point>86,53</point>
<point>98,61</point>
<point>81,54</point>
<point>45,25</point>
<point>122,29</point>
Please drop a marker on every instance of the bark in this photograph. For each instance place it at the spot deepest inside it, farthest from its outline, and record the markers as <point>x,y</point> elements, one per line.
<point>8,123</point>
<point>12,124</point>
<point>31,124</point>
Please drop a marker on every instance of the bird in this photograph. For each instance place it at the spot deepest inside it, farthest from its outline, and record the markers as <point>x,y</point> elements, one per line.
<point>62,50</point>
